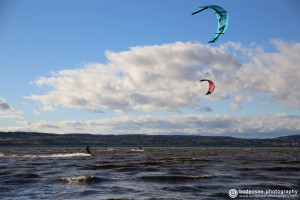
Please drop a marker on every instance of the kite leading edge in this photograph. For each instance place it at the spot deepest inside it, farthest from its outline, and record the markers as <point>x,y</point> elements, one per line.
<point>222,16</point>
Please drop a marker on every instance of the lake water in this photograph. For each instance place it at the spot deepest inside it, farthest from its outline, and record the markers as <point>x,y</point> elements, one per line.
<point>155,173</point>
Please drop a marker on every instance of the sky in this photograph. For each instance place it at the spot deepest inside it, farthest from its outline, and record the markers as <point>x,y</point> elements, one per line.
<point>133,67</point>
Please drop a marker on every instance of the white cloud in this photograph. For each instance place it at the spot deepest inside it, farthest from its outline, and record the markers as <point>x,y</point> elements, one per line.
<point>165,78</point>
<point>145,78</point>
<point>239,126</point>
<point>274,73</point>
<point>238,99</point>
<point>235,106</point>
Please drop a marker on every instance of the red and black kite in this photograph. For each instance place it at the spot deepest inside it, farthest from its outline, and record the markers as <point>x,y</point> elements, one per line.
<point>211,86</point>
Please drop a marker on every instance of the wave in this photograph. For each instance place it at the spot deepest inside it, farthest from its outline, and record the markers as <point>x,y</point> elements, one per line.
<point>82,179</point>
<point>109,166</point>
<point>27,175</point>
<point>66,155</point>
<point>137,150</point>
<point>151,163</point>
<point>183,188</point>
<point>110,149</point>
<point>289,161</point>
<point>246,169</point>
<point>283,168</point>
<point>21,178</point>
<point>186,159</point>
<point>4,189</point>
<point>174,178</point>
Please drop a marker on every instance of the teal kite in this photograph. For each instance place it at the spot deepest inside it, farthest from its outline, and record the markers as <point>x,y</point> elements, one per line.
<point>222,20</point>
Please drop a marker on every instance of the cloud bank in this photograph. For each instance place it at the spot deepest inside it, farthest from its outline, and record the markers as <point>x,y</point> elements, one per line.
<point>211,125</point>
<point>165,78</point>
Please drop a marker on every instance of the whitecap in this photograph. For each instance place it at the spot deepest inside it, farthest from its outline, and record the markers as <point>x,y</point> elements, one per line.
<point>65,155</point>
<point>82,179</point>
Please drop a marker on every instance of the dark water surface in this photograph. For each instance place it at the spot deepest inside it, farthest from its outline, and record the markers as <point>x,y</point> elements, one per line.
<point>155,173</point>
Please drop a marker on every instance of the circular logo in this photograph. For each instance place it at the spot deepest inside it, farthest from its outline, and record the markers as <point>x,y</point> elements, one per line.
<point>233,193</point>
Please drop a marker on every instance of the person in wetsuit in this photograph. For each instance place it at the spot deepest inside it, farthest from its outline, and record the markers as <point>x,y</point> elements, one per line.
<point>87,150</point>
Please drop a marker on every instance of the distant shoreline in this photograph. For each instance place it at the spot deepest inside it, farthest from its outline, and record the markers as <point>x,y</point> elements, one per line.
<point>145,147</point>
<point>34,139</point>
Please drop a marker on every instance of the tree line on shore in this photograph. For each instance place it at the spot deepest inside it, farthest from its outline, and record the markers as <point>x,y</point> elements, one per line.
<point>48,139</point>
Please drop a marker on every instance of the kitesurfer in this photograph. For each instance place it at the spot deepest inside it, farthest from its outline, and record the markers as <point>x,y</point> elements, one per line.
<point>140,147</point>
<point>87,150</point>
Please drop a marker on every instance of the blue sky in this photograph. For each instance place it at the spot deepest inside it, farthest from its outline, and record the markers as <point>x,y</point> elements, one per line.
<point>117,67</point>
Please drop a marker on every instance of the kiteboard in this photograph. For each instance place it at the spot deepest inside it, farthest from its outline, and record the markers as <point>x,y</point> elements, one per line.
<point>138,150</point>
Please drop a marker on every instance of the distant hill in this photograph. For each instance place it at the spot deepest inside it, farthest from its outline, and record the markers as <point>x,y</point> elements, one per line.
<point>48,139</point>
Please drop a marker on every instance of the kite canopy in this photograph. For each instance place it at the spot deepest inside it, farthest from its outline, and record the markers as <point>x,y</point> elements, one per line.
<point>211,86</point>
<point>222,20</point>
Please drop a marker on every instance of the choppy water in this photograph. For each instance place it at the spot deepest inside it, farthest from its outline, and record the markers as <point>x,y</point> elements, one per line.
<point>155,173</point>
